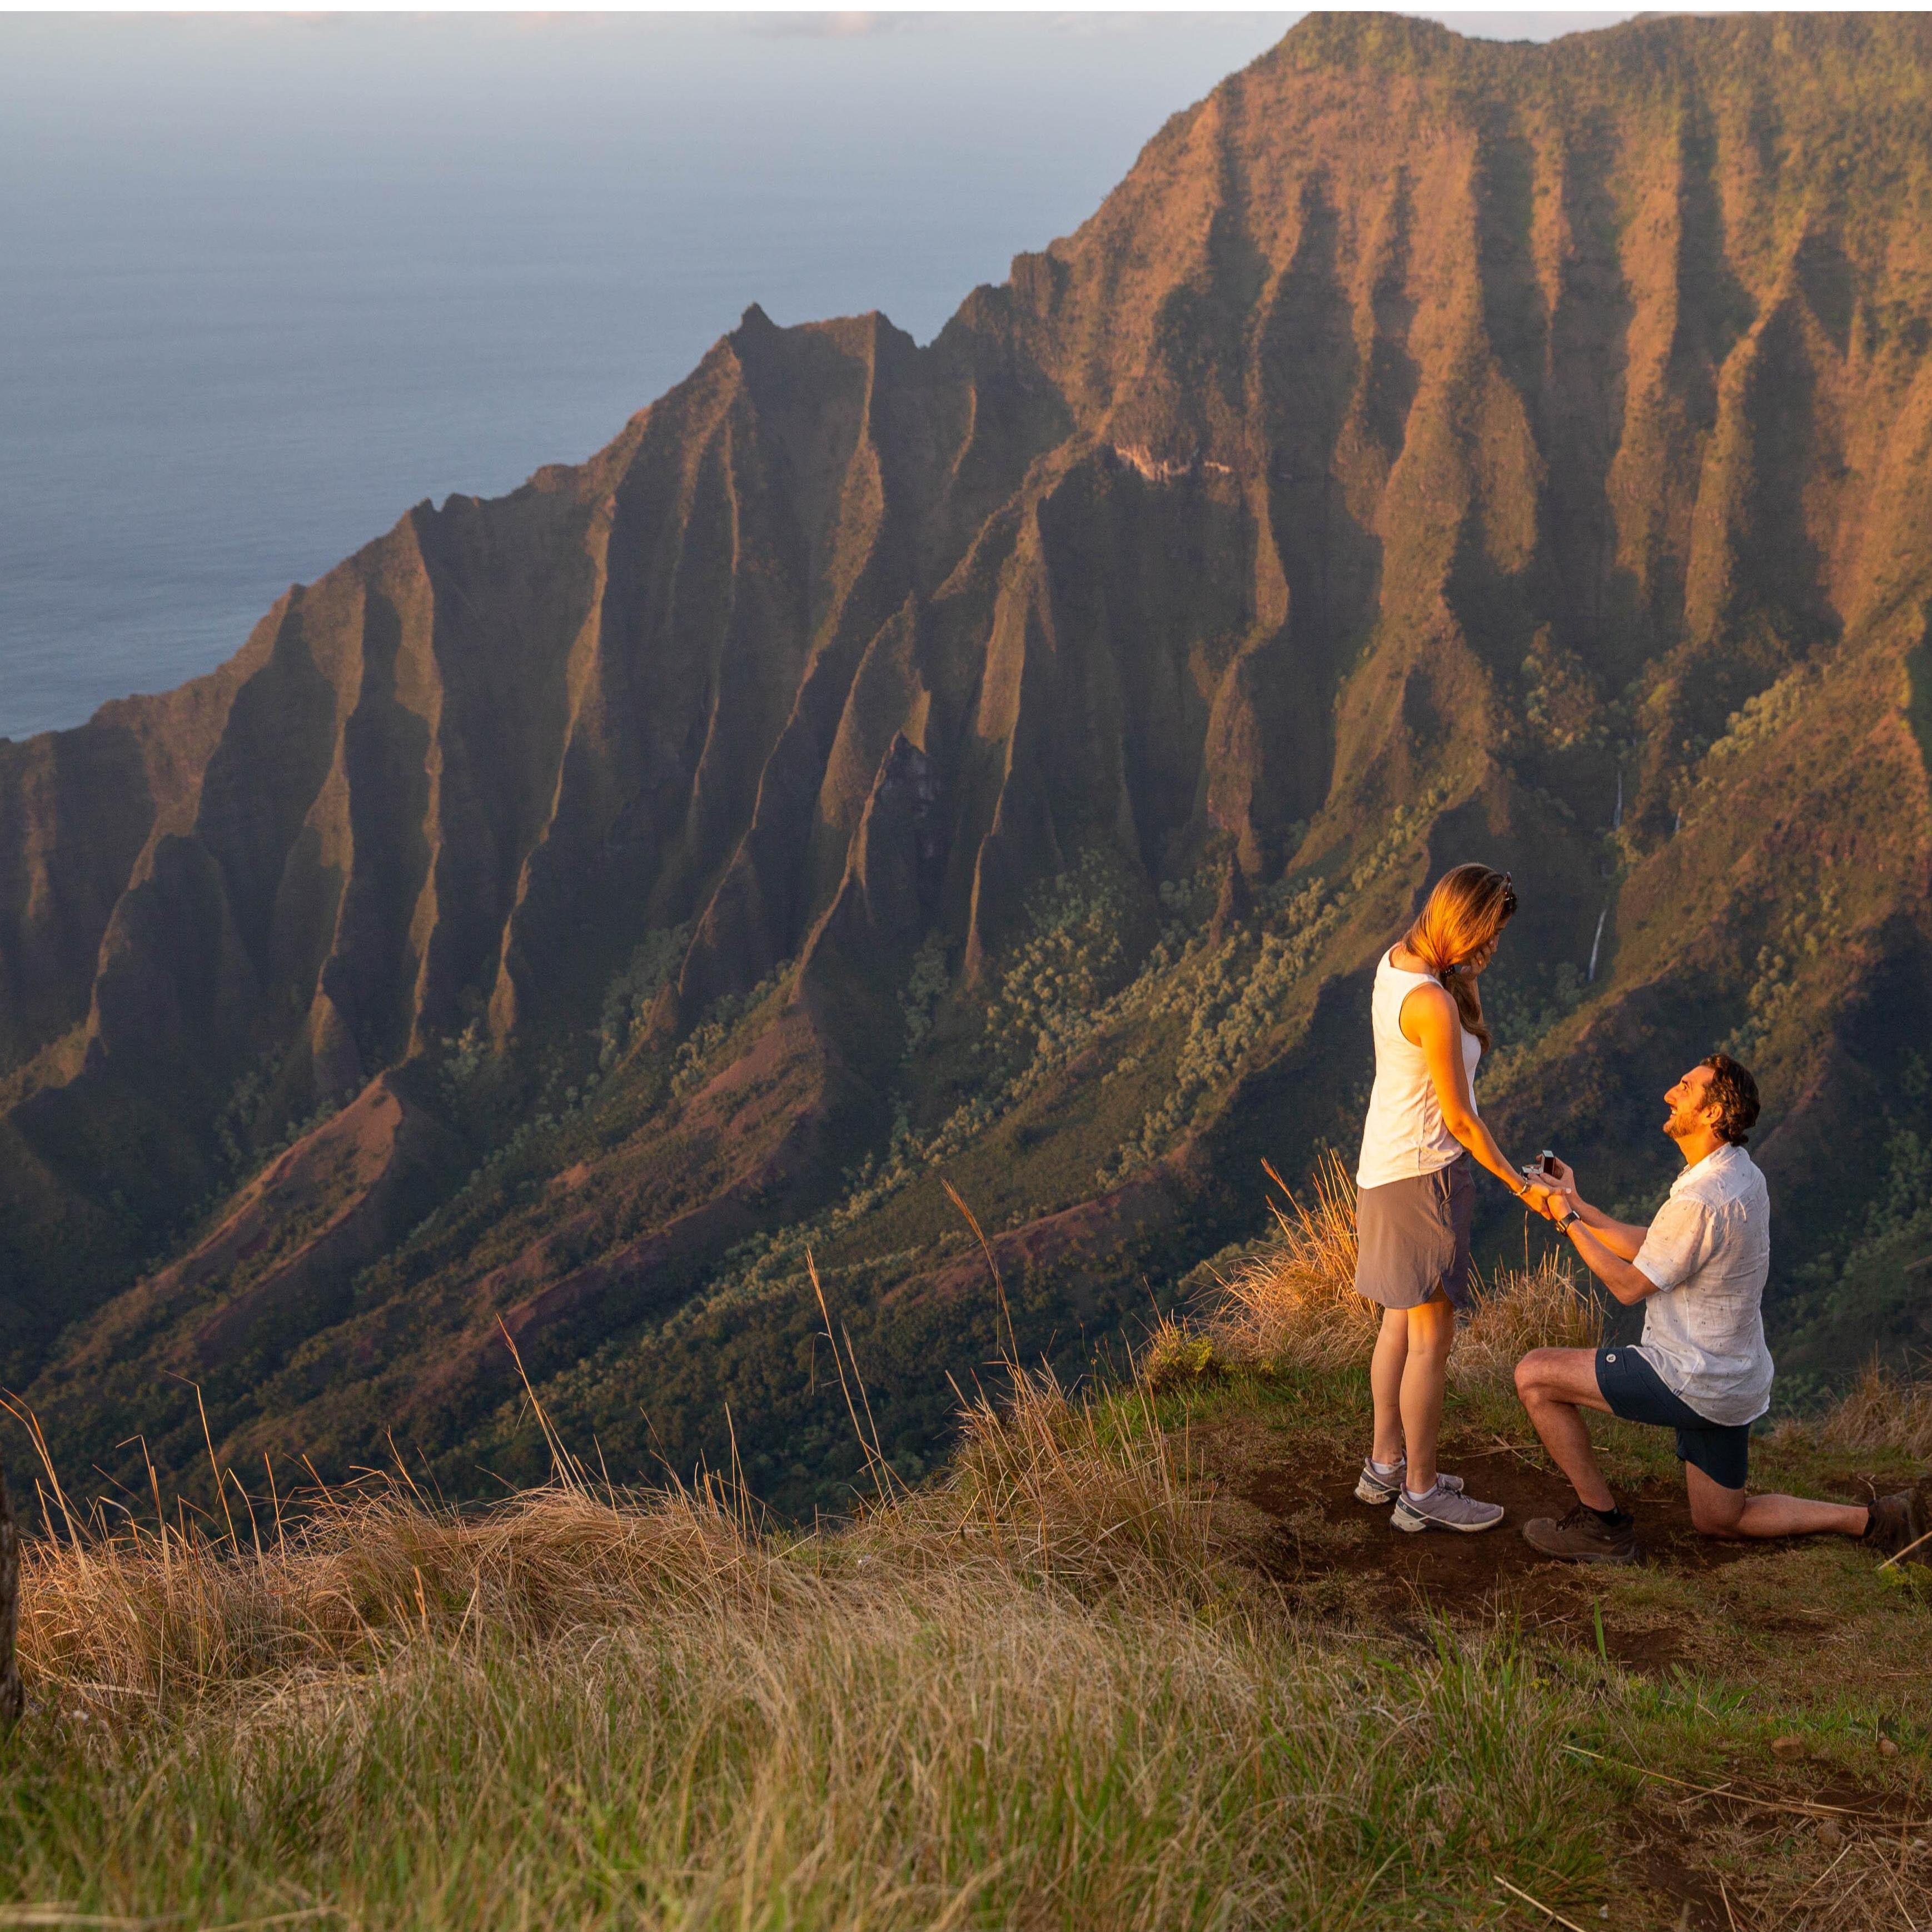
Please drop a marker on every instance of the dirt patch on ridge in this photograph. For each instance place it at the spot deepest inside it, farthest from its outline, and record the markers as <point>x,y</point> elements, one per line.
<point>1318,1532</point>
<point>1758,1834</point>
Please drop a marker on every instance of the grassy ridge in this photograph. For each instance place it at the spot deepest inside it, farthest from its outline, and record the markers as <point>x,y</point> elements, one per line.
<point>1061,1685</point>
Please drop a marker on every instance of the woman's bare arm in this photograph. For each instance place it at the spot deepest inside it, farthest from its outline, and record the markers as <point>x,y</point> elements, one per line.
<point>1429,1018</point>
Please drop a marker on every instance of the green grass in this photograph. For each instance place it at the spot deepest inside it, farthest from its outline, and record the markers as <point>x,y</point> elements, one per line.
<point>1051,1688</point>
<point>996,1763</point>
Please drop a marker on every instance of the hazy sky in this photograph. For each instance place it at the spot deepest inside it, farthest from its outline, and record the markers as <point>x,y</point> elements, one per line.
<point>270,279</point>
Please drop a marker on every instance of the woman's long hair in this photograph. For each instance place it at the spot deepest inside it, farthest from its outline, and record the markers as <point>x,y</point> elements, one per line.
<point>1469,906</point>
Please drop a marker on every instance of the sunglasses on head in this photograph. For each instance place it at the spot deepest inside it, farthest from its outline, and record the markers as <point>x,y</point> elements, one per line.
<point>1508,912</point>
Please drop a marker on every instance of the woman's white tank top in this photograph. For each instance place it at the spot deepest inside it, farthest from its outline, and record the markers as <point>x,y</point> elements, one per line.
<point>1404,1135</point>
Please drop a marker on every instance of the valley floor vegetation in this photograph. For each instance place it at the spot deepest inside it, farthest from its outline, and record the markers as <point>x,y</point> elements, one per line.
<point>1097,1673</point>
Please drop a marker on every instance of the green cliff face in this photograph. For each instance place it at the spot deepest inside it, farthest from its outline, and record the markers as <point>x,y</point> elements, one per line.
<point>1000,762</point>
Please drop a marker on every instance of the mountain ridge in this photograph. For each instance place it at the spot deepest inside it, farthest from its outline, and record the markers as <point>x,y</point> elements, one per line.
<point>1003,757</point>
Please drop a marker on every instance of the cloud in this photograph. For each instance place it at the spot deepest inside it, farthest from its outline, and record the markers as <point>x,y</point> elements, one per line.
<point>831,26</point>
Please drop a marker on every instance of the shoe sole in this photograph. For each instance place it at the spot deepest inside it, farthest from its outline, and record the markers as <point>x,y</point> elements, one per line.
<point>1586,1556</point>
<point>1407,1519</point>
<point>1369,1490</point>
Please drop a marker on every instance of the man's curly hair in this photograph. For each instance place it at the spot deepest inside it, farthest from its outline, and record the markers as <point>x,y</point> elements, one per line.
<point>1734,1093</point>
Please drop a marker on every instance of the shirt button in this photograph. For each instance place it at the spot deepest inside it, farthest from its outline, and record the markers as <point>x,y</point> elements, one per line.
<point>1611,1356</point>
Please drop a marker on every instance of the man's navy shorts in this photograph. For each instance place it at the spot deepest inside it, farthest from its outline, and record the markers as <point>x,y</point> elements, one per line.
<point>1636,1392</point>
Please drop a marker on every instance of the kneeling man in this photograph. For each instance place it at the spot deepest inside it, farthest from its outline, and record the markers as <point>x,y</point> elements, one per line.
<point>1702,1368</point>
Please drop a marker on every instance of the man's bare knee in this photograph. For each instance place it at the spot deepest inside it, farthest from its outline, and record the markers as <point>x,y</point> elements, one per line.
<point>1530,1378</point>
<point>1717,1512</point>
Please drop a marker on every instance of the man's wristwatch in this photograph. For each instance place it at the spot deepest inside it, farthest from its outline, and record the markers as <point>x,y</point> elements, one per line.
<point>1568,1222</point>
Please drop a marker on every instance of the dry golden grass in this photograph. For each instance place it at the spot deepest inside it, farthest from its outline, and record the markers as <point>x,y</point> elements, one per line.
<point>1518,1309</point>
<point>167,1612</point>
<point>1036,1693</point>
<point>1033,1694</point>
<point>1880,1412</point>
<point>115,1607</point>
<point>170,1615</point>
<point>1044,1489</point>
<point>1296,1302</point>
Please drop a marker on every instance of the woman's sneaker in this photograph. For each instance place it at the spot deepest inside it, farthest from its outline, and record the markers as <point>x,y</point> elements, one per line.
<point>1444,1508</point>
<point>1373,1486</point>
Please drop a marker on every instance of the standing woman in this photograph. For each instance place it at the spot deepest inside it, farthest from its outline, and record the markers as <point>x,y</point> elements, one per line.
<point>1416,1189</point>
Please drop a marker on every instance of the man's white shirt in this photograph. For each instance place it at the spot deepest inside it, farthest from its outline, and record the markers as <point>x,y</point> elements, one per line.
<point>1708,1251</point>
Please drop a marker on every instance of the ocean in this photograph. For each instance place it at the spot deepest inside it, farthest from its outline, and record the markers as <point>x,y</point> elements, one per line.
<point>266,282</point>
<point>269,282</point>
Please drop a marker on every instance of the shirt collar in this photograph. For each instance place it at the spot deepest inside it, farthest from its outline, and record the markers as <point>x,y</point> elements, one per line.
<point>1719,1158</point>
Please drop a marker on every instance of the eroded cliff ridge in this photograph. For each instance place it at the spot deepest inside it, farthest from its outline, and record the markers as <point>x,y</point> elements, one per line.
<point>999,761</point>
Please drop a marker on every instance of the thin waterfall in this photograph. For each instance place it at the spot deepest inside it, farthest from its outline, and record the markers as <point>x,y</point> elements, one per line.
<point>1616,825</point>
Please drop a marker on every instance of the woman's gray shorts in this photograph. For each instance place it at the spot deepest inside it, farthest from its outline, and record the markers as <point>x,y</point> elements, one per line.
<point>1415,1236</point>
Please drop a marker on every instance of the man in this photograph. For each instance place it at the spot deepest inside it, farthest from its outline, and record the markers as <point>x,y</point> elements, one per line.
<point>1702,1367</point>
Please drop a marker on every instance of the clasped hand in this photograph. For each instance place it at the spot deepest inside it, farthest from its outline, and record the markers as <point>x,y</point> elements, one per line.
<point>1555,1198</point>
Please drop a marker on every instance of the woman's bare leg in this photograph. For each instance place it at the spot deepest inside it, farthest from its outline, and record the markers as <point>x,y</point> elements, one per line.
<point>1385,1368</point>
<point>1431,1332</point>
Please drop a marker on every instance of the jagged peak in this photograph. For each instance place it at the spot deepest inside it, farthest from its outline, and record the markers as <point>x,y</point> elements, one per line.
<point>1352,39</point>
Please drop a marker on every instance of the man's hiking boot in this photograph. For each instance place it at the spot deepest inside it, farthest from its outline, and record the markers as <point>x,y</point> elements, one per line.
<point>1901,1525</point>
<point>1582,1536</point>
<point>1375,1487</point>
<point>1444,1508</point>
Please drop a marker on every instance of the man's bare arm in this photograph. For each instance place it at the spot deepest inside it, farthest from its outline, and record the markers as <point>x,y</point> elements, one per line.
<point>1611,1269</point>
<point>1621,1239</point>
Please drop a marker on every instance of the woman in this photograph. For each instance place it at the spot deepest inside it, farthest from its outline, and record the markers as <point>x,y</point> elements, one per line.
<point>1416,1190</point>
